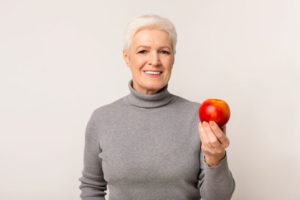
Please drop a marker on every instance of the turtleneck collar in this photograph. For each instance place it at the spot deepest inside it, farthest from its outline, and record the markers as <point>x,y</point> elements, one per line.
<point>135,98</point>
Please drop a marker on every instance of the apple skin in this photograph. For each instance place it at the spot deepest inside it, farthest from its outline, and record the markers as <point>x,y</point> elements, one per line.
<point>216,110</point>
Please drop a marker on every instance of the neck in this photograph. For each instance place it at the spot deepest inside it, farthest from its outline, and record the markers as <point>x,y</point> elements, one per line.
<point>158,99</point>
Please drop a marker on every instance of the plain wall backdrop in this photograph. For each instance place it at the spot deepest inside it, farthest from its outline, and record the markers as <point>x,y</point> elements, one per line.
<point>61,59</point>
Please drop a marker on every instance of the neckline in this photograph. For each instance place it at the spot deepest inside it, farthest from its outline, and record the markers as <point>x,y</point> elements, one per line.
<point>137,99</point>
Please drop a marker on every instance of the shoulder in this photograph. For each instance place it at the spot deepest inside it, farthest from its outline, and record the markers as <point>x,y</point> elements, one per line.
<point>185,103</point>
<point>185,107</point>
<point>108,110</point>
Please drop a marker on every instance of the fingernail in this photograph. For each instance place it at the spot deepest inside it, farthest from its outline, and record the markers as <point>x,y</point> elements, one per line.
<point>211,123</point>
<point>205,123</point>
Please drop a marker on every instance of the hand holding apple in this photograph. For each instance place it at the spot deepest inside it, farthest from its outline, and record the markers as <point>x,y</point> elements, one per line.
<point>213,114</point>
<point>213,142</point>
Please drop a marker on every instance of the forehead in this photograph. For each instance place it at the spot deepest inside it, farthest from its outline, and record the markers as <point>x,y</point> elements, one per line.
<point>151,37</point>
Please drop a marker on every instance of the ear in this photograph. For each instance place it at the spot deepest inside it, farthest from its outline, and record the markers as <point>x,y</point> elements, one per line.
<point>126,57</point>
<point>173,60</point>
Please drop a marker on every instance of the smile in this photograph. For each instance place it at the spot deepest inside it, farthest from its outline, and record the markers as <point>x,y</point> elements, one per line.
<point>152,72</point>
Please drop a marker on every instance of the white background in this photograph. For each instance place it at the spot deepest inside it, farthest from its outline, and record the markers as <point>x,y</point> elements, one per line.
<point>61,59</point>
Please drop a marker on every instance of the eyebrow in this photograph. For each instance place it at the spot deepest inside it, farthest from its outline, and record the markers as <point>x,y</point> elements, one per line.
<point>145,46</point>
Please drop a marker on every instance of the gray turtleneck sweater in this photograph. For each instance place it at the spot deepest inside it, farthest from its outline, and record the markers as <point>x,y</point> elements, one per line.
<point>147,147</point>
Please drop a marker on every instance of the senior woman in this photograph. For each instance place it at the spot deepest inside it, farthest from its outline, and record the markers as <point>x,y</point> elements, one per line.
<point>150,145</point>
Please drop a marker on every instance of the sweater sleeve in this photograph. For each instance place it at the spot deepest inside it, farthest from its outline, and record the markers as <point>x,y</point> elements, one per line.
<point>93,185</point>
<point>215,183</point>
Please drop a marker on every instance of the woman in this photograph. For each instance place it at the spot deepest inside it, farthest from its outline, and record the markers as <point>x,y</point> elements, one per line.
<point>146,145</point>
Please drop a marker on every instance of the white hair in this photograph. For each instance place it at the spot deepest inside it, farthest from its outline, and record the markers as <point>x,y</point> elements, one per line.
<point>149,21</point>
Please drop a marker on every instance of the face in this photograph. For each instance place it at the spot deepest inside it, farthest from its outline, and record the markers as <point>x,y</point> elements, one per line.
<point>150,59</point>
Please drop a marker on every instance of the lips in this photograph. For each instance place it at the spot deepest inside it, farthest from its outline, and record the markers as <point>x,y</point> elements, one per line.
<point>152,72</point>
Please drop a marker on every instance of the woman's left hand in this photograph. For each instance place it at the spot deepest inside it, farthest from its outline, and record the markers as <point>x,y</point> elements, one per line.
<point>213,142</point>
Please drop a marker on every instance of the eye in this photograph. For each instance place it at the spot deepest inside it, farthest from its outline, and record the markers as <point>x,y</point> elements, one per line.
<point>165,52</point>
<point>142,51</point>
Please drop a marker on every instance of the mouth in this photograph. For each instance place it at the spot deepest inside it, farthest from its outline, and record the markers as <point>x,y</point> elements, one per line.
<point>152,74</point>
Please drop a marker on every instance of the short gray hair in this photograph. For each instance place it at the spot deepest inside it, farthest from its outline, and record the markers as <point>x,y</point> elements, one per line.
<point>149,21</point>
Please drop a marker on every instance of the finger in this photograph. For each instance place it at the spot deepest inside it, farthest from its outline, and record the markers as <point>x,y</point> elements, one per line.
<point>205,142</point>
<point>200,128</point>
<point>203,136</point>
<point>211,136</point>
<point>219,133</point>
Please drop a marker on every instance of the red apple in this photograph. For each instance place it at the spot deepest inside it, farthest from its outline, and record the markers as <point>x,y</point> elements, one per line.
<point>216,110</point>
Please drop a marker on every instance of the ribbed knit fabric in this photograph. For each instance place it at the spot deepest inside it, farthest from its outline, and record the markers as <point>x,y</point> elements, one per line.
<point>147,147</point>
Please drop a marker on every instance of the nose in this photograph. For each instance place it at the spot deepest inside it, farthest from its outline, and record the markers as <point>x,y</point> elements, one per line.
<point>154,59</point>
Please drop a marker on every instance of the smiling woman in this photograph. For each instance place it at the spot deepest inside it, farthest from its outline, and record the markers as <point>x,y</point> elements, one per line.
<point>150,143</point>
<point>150,59</point>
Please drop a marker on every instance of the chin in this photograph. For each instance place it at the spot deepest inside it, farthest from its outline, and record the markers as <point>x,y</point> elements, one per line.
<point>155,86</point>
<point>151,85</point>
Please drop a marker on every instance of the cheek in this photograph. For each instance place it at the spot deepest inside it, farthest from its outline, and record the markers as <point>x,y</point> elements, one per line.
<point>169,63</point>
<point>137,63</point>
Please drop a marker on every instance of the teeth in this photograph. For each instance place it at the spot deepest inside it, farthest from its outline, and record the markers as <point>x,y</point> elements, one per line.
<point>150,72</point>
